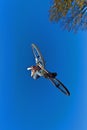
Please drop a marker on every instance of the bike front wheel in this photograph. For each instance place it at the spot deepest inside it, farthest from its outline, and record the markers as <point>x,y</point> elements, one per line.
<point>38,56</point>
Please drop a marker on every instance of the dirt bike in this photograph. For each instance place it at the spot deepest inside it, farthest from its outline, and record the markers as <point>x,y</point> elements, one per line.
<point>39,60</point>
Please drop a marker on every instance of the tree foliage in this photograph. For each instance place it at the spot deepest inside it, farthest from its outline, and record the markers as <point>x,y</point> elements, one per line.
<point>72,14</point>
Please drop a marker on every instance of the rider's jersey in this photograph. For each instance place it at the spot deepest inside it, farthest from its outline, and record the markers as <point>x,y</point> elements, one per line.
<point>37,74</point>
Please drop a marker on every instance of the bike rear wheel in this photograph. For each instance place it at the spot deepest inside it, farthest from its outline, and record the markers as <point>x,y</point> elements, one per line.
<point>60,86</point>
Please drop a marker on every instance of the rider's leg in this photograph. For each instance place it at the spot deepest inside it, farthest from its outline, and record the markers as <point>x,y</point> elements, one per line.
<point>50,75</point>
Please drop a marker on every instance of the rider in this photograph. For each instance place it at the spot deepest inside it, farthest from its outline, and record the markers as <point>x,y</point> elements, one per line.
<point>37,72</point>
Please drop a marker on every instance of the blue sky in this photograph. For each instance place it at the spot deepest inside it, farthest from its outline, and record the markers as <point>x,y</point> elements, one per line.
<point>27,104</point>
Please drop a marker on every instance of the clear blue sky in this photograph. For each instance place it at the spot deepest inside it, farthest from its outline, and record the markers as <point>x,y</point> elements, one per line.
<point>26,104</point>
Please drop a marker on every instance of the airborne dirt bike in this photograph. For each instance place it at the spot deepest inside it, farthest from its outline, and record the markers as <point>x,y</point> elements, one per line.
<point>41,63</point>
